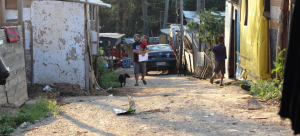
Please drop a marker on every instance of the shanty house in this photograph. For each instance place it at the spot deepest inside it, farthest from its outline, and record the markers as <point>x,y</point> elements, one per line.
<point>251,29</point>
<point>58,39</point>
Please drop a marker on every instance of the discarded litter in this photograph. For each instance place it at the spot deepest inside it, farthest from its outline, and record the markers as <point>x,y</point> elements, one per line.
<point>131,109</point>
<point>109,88</point>
<point>233,130</point>
<point>246,96</point>
<point>206,116</point>
<point>111,95</point>
<point>48,88</point>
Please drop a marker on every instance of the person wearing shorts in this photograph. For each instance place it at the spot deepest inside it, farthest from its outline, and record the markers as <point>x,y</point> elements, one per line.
<point>220,56</point>
<point>139,67</point>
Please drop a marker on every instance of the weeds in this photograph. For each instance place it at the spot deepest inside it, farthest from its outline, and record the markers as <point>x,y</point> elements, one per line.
<point>266,90</point>
<point>28,113</point>
<point>106,78</point>
<point>272,88</point>
<point>245,82</point>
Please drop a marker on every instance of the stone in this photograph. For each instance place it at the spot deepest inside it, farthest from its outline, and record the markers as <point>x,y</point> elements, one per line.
<point>253,105</point>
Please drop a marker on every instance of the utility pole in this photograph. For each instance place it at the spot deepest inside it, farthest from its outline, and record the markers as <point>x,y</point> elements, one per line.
<point>2,12</point>
<point>198,6</point>
<point>166,14</point>
<point>145,20</point>
<point>181,32</point>
<point>160,19</point>
<point>176,21</point>
<point>121,13</point>
<point>281,35</point>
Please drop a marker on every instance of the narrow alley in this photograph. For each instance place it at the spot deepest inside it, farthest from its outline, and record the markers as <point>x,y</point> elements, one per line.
<point>168,105</point>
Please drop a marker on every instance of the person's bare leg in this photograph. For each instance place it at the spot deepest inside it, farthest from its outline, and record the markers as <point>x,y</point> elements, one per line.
<point>212,78</point>
<point>143,76</point>
<point>137,78</point>
<point>221,83</point>
<point>143,79</point>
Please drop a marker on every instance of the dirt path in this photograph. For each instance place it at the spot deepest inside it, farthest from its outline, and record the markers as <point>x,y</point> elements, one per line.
<point>179,106</point>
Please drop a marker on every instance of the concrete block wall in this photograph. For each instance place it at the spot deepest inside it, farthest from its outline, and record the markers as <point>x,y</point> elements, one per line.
<point>15,90</point>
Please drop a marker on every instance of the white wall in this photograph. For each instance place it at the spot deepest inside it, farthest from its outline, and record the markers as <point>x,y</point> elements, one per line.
<point>58,42</point>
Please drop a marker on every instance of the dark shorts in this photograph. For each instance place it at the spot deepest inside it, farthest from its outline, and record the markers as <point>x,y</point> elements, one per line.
<point>139,67</point>
<point>220,66</point>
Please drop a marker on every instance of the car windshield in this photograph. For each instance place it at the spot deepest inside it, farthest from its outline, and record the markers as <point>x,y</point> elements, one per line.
<point>159,48</point>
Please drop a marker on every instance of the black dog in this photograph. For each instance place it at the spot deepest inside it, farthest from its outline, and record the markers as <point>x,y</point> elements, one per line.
<point>122,79</point>
<point>183,69</point>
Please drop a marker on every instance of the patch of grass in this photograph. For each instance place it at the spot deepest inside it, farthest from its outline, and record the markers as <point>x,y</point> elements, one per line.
<point>106,78</point>
<point>245,82</point>
<point>28,113</point>
<point>266,89</point>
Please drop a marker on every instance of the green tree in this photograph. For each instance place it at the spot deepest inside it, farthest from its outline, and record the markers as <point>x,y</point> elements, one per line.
<point>192,26</point>
<point>190,5</point>
<point>210,26</point>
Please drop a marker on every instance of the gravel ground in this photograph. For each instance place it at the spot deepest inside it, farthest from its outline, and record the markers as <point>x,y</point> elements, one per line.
<point>167,105</point>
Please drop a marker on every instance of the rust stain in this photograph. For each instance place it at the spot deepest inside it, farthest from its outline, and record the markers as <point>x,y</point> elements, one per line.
<point>63,41</point>
<point>72,55</point>
<point>75,70</point>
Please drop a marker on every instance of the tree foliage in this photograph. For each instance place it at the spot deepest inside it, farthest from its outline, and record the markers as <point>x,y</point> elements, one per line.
<point>132,22</point>
<point>192,26</point>
<point>210,25</point>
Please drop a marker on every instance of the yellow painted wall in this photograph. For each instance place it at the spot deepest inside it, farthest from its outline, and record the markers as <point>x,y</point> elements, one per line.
<point>254,40</point>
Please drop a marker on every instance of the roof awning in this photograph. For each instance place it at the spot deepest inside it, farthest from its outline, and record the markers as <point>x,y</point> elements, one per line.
<point>111,35</point>
<point>91,2</point>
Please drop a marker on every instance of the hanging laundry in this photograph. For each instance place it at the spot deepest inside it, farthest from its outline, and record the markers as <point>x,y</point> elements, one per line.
<point>12,34</point>
<point>290,102</point>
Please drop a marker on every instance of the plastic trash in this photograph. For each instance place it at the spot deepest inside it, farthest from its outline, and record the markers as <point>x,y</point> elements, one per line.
<point>111,95</point>
<point>131,109</point>
<point>4,72</point>
<point>48,88</point>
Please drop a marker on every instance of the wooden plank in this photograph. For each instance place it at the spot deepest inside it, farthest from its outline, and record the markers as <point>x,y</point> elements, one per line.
<point>227,38</point>
<point>249,73</point>
<point>20,11</point>
<point>2,12</point>
<point>11,4</point>
<point>240,66</point>
<point>243,56</point>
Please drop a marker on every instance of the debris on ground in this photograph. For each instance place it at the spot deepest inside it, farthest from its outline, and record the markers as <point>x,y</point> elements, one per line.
<point>253,104</point>
<point>131,109</point>
<point>59,90</point>
<point>259,118</point>
<point>48,89</point>
<point>246,97</point>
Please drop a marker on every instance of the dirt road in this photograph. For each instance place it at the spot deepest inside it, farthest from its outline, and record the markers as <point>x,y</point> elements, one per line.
<point>168,105</point>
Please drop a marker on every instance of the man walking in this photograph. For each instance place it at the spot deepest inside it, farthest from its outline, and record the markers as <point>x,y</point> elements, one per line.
<point>139,67</point>
<point>220,56</point>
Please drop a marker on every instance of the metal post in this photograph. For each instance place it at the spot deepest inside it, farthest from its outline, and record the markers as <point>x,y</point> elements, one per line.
<point>2,7</point>
<point>181,31</point>
<point>176,21</point>
<point>160,19</point>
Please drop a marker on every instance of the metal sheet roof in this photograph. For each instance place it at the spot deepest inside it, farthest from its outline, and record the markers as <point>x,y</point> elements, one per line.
<point>128,40</point>
<point>92,2</point>
<point>111,35</point>
<point>165,31</point>
<point>193,16</point>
